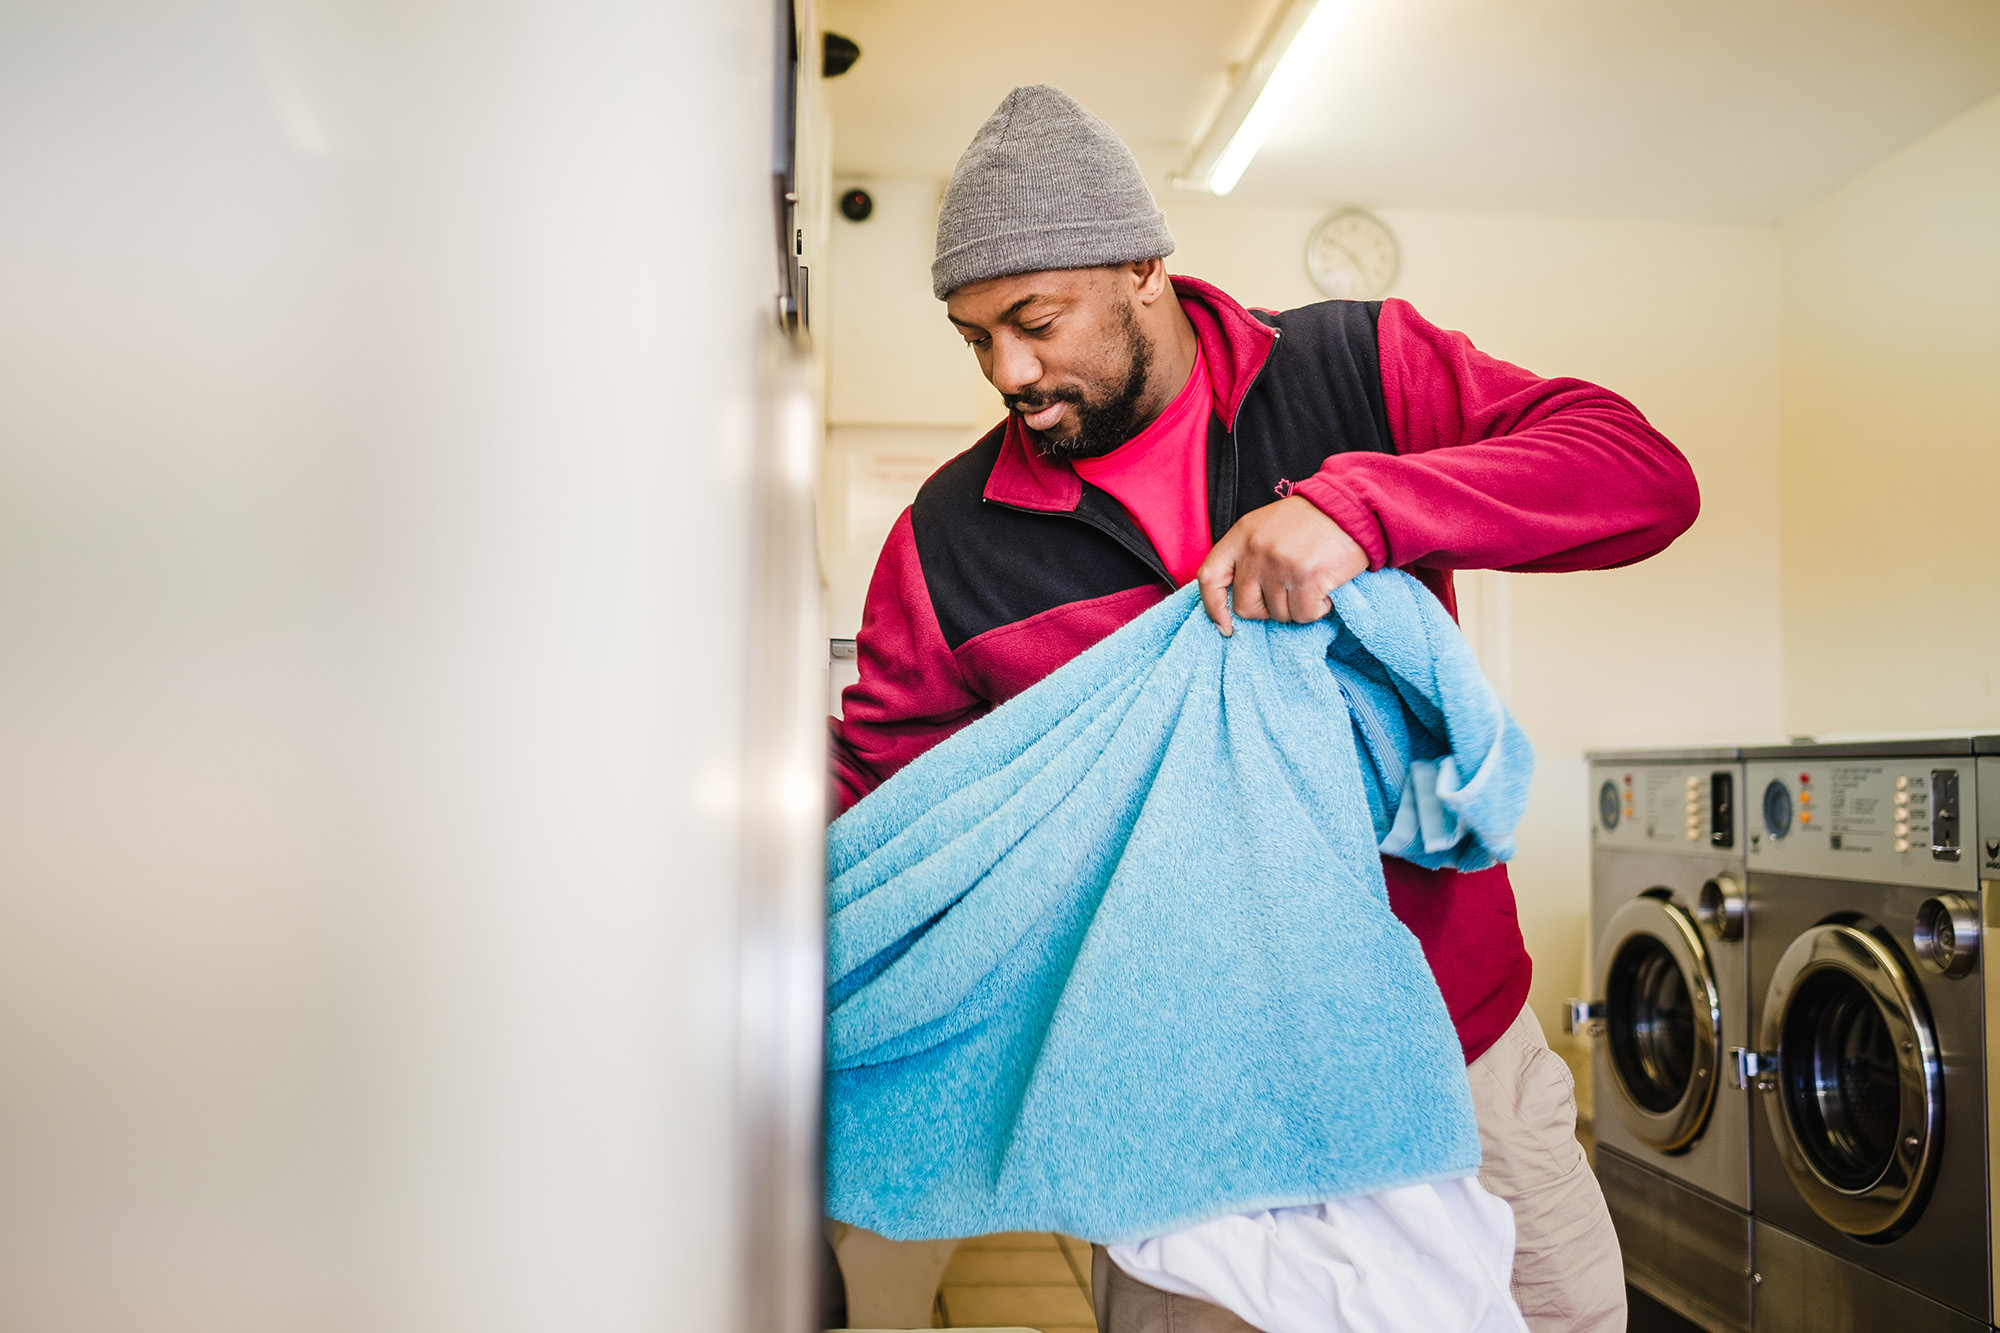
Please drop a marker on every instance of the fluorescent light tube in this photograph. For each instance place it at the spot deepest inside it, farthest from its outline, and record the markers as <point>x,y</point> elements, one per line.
<point>1260,94</point>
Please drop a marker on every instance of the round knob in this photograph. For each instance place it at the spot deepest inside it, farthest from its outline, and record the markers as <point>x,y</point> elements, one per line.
<point>1947,934</point>
<point>1777,809</point>
<point>1720,907</point>
<point>1607,805</point>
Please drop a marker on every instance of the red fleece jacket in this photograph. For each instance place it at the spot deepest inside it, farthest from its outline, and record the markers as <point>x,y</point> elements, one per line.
<point>1493,468</point>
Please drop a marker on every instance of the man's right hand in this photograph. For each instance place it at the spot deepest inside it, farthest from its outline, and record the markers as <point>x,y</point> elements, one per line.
<point>1283,562</point>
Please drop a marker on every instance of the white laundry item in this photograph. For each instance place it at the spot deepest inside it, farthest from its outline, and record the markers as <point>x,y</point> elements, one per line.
<point>1435,1257</point>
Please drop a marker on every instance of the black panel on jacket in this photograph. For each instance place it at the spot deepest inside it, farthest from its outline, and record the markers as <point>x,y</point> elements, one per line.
<point>987,565</point>
<point>1320,394</point>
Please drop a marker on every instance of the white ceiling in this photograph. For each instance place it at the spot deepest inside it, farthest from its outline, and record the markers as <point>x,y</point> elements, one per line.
<point>1713,110</point>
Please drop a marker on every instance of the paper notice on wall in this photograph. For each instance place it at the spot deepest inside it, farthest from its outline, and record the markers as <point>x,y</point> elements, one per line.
<point>871,475</point>
<point>881,482</point>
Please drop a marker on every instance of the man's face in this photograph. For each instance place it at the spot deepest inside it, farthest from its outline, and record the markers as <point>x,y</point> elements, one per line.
<point>1065,350</point>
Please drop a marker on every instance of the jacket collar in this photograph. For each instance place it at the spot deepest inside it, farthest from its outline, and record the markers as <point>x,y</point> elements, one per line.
<point>1235,345</point>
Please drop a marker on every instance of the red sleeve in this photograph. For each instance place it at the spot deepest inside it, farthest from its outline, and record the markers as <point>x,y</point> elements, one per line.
<point>1496,468</point>
<point>911,694</point>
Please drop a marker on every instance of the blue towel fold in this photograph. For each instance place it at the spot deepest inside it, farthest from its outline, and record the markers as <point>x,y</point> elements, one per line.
<point>1118,958</point>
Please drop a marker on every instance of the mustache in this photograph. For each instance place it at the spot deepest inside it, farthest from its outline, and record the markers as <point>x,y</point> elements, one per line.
<point>1031,401</point>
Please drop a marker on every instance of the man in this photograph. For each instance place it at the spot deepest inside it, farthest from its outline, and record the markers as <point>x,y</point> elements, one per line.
<point>1157,432</point>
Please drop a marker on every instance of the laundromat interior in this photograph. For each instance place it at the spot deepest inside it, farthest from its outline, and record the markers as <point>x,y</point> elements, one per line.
<point>444,453</point>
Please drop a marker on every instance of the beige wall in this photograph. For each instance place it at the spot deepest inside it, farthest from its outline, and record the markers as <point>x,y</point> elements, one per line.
<point>903,393</point>
<point>1891,453</point>
<point>1682,319</point>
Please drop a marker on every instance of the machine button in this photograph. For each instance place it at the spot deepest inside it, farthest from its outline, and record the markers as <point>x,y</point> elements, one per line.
<point>1902,781</point>
<point>1902,830</point>
<point>1902,844</point>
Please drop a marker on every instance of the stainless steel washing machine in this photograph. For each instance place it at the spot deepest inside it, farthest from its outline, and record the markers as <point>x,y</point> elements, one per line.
<point>1869,1116</point>
<point>1670,998</point>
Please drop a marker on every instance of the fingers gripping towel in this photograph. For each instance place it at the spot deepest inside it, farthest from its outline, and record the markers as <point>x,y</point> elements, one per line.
<point>1119,958</point>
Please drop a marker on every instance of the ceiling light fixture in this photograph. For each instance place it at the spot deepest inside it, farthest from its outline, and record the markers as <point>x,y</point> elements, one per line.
<point>1262,90</point>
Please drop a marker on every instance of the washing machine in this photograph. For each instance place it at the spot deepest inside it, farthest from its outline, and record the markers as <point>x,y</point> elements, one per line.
<point>1670,977</point>
<point>1869,1098</point>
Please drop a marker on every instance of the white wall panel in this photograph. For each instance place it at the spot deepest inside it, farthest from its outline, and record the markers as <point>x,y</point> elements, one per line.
<point>376,391</point>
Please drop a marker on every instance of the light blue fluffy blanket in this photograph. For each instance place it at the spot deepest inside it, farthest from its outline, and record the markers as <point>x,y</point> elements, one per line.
<point>1118,958</point>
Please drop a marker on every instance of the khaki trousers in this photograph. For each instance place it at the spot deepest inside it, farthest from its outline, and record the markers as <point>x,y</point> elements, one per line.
<point>1568,1276</point>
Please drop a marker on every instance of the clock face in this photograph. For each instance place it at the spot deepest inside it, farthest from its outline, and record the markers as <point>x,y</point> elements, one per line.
<point>1353,256</point>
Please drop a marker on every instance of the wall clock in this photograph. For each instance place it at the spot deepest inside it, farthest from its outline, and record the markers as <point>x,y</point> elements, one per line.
<point>1353,256</point>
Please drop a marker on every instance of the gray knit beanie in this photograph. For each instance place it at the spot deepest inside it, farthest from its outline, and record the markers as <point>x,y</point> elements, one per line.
<point>1045,184</point>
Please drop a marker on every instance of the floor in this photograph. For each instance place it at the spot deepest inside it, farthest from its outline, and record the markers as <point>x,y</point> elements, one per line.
<point>1030,1279</point>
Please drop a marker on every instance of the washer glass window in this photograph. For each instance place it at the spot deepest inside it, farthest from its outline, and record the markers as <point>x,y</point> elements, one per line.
<point>1842,1079</point>
<point>1859,1095</point>
<point>1650,1020</point>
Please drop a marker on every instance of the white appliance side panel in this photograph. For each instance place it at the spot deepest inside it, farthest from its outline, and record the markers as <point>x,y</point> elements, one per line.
<point>377,389</point>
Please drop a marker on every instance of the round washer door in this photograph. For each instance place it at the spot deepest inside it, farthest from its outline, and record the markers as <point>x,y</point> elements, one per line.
<point>1662,1021</point>
<point>1859,1094</point>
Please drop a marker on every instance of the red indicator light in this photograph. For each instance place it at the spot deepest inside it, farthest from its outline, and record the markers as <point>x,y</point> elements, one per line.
<point>1805,777</point>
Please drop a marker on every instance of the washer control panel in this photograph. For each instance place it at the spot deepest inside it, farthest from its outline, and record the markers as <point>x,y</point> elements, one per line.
<point>1892,821</point>
<point>1667,807</point>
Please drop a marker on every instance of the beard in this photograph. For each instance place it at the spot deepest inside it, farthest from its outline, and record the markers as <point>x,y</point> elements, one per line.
<point>1106,423</point>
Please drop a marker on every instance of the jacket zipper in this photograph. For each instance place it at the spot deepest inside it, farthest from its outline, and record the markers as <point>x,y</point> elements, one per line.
<point>1229,436</point>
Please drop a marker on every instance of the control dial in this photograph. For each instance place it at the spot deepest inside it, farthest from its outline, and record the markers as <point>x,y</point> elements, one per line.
<point>1607,804</point>
<point>1777,809</point>
<point>1947,934</point>
<point>1720,907</point>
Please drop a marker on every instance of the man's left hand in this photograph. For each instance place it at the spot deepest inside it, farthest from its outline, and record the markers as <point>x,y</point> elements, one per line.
<point>1282,560</point>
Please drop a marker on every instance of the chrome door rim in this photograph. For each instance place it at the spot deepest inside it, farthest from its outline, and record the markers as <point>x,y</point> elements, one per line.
<point>1664,921</point>
<point>1880,1204</point>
